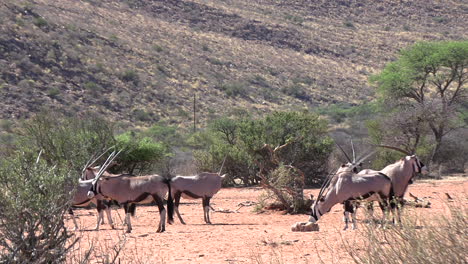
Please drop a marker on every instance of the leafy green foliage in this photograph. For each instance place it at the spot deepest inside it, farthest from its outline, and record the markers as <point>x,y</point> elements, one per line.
<point>308,145</point>
<point>140,153</point>
<point>428,81</point>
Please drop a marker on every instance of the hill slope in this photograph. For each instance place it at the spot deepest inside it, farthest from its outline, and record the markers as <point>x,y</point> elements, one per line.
<point>141,60</point>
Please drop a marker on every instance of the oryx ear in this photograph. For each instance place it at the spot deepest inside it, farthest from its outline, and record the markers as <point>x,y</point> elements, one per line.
<point>343,165</point>
<point>312,198</point>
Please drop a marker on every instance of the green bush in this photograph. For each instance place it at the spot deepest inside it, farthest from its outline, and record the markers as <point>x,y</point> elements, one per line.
<point>240,140</point>
<point>140,154</point>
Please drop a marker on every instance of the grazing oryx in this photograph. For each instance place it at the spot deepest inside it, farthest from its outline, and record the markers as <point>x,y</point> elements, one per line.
<point>130,190</point>
<point>347,185</point>
<point>402,174</point>
<point>204,185</point>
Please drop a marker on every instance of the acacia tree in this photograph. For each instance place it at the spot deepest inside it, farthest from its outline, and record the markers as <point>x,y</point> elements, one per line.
<point>431,78</point>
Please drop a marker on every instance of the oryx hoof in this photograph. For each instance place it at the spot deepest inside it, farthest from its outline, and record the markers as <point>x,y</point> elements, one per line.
<point>170,222</point>
<point>160,230</point>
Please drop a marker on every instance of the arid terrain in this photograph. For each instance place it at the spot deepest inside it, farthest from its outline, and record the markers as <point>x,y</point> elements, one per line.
<point>241,235</point>
<point>150,58</point>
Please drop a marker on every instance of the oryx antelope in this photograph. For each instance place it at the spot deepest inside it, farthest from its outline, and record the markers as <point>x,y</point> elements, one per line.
<point>80,199</point>
<point>401,173</point>
<point>346,185</point>
<point>130,190</point>
<point>201,186</point>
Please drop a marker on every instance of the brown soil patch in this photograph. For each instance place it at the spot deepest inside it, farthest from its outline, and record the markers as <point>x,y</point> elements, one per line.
<point>242,235</point>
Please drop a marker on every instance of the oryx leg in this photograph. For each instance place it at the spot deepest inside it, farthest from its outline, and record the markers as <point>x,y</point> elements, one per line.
<point>101,207</point>
<point>162,214</point>
<point>206,209</point>
<point>399,208</point>
<point>127,217</point>
<point>386,207</point>
<point>177,196</point>
<point>70,211</point>
<point>349,207</point>
<point>370,210</point>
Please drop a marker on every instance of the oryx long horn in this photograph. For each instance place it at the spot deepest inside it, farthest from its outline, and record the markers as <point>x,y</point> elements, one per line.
<point>354,154</point>
<point>222,165</point>
<point>395,148</point>
<point>325,185</point>
<point>106,164</point>
<point>93,160</point>
<point>343,152</point>
<point>365,157</point>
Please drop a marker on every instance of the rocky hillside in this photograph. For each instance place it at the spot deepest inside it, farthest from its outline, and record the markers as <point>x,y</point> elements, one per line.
<point>145,60</point>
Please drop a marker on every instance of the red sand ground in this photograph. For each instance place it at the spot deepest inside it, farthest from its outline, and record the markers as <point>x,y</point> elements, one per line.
<point>242,236</point>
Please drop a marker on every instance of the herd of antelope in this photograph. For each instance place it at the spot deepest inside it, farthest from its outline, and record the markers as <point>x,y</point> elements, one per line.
<point>347,186</point>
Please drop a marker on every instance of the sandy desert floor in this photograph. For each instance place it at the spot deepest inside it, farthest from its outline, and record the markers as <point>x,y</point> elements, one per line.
<point>240,235</point>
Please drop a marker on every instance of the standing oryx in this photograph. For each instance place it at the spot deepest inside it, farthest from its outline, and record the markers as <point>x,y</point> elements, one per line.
<point>204,185</point>
<point>402,174</point>
<point>80,199</point>
<point>346,185</point>
<point>130,190</point>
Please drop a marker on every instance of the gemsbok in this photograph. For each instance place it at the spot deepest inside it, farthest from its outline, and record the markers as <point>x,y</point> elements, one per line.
<point>201,186</point>
<point>80,198</point>
<point>131,190</point>
<point>346,185</point>
<point>402,174</point>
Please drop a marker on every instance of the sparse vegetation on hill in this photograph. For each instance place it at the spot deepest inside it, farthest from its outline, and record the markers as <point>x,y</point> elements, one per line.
<point>142,61</point>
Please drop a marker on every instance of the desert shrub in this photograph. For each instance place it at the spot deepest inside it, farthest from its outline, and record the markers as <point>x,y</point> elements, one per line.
<point>303,136</point>
<point>349,24</point>
<point>140,153</point>
<point>157,48</point>
<point>53,92</point>
<point>67,141</point>
<point>130,76</point>
<point>141,115</point>
<point>34,198</point>
<point>443,239</point>
<point>165,133</point>
<point>233,89</point>
<point>93,87</point>
<point>296,90</point>
<point>40,22</point>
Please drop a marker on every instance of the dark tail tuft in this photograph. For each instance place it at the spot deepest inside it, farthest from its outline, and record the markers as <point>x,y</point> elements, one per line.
<point>170,204</point>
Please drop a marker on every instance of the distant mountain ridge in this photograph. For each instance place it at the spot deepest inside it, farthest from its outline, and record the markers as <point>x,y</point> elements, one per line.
<point>141,61</point>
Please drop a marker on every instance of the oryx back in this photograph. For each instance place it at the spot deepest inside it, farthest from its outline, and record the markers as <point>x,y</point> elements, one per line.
<point>199,186</point>
<point>133,188</point>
